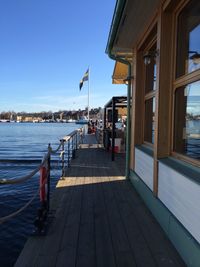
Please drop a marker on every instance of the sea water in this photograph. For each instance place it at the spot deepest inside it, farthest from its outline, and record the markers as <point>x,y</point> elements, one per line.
<point>22,147</point>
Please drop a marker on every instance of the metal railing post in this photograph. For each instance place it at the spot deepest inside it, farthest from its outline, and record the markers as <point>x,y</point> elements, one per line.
<point>48,176</point>
<point>68,152</point>
<point>73,148</point>
<point>63,157</point>
<point>76,140</point>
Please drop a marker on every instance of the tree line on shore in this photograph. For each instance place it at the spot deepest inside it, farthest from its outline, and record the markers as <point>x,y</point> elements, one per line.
<point>47,115</point>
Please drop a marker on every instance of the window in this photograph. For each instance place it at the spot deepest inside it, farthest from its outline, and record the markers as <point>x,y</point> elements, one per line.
<point>187,120</point>
<point>150,82</point>
<point>149,120</point>
<point>188,42</point>
<point>187,90</point>
<point>150,88</point>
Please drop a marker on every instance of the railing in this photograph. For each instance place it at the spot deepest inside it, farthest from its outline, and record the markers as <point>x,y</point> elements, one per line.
<point>67,148</point>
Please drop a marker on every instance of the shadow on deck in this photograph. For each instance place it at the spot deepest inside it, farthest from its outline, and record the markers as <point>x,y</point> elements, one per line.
<point>99,220</point>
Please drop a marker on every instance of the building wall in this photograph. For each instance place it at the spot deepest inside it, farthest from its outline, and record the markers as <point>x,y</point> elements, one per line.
<point>181,196</point>
<point>144,167</point>
<point>170,188</point>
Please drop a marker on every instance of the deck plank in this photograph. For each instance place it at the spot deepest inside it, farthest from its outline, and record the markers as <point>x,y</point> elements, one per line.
<point>98,220</point>
<point>69,240</point>
<point>86,245</point>
<point>141,251</point>
<point>161,248</point>
<point>104,246</point>
<point>122,249</point>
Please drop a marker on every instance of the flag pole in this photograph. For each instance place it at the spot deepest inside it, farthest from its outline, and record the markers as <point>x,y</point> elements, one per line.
<point>89,94</point>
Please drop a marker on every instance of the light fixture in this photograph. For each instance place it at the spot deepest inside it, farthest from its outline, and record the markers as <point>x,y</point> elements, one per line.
<point>149,55</point>
<point>128,79</point>
<point>195,57</point>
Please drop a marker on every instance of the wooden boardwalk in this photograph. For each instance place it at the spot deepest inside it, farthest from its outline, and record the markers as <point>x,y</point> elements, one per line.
<point>99,220</point>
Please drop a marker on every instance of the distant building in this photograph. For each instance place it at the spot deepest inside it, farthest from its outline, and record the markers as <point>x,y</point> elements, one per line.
<point>19,118</point>
<point>28,119</point>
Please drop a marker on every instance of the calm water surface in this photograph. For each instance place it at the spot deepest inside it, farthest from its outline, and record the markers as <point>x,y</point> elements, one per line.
<point>22,146</point>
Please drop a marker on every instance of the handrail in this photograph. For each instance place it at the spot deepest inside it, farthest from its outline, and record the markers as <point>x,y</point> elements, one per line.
<point>45,162</point>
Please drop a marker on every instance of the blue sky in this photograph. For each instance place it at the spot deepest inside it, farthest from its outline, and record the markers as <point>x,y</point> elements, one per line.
<point>45,48</point>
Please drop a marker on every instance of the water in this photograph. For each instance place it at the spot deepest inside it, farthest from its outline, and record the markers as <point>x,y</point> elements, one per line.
<point>22,146</point>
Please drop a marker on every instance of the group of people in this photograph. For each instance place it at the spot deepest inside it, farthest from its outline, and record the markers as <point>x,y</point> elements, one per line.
<point>92,126</point>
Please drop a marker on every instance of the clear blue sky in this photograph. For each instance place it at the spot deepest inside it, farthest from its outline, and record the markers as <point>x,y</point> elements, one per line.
<point>45,48</point>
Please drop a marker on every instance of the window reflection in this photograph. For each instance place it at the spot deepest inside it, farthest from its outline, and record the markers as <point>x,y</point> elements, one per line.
<point>149,125</point>
<point>194,50</point>
<point>187,120</point>
<point>150,83</point>
<point>188,43</point>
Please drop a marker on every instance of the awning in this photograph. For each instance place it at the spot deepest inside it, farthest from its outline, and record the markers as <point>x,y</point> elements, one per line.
<point>120,73</point>
<point>120,102</point>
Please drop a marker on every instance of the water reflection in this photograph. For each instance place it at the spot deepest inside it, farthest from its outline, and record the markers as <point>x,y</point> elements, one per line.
<point>188,32</point>
<point>187,120</point>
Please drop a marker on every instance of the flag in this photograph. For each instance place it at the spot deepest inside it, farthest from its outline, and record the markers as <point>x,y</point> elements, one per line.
<point>85,78</point>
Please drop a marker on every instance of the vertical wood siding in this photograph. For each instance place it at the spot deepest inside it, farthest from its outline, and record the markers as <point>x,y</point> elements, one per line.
<point>182,197</point>
<point>144,167</point>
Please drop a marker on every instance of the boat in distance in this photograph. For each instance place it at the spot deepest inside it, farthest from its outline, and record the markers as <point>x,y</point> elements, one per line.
<point>82,120</point>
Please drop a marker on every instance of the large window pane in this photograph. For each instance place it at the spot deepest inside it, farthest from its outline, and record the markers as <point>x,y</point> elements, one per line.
<point>149,120</point>
<point>187,120</point>
<point>150,83</point>
<point>188,46</point>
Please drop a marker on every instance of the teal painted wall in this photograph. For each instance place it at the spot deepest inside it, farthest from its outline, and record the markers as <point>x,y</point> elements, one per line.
<point>185,244</point>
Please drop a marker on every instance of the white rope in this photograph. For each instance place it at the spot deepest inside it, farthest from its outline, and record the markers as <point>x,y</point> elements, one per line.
<point>56,150</point>
<point>32,173</point>
<point>8,217</point>
<point>61,153</point>
<point>26,177</point>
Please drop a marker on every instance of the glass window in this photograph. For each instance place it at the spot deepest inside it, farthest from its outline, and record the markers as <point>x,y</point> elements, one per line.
<point>150,83</point>
<point>187,120</point>
<point>188,42</point>
<point>149,120</point>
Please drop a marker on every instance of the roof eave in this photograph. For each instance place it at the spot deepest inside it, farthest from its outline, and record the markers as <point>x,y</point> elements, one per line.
<point>117,16</point>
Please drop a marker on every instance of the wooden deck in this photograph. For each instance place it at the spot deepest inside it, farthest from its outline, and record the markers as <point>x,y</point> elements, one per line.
<point>99,220</point>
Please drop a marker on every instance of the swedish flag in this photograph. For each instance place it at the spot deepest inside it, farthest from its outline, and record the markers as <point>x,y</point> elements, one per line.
<point>85,78</point>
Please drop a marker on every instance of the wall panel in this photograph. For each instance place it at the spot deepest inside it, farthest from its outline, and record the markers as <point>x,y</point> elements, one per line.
<point>181,196</point>
<point>144,167</point>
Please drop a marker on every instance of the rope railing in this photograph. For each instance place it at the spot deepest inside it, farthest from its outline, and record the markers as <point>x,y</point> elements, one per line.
<point>15,213</point>
<point>10,216</point>
<point>56,150</point>
<point>26,177</point>
<point>72,141</point>
<point>32,173</point>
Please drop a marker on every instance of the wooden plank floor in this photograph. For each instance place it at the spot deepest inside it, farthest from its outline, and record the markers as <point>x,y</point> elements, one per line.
<point>99,220</point>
